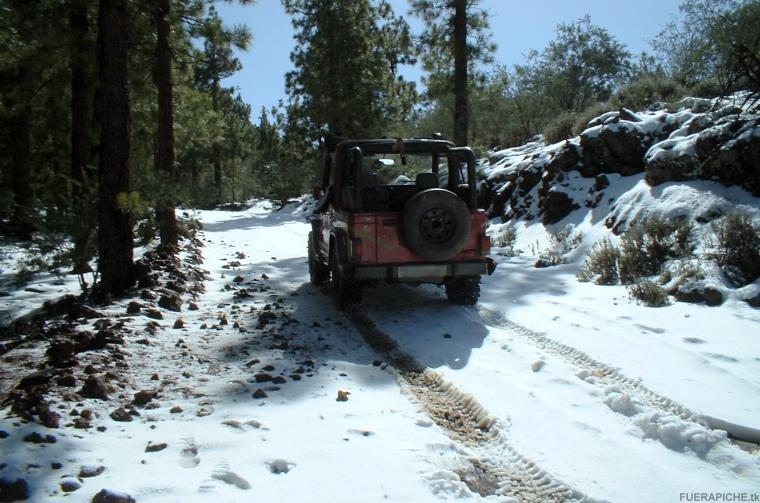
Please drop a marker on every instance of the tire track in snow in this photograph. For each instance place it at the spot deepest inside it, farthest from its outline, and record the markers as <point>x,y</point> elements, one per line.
<point>695,426</point>
<point>466,422</point>
<point>600,370</point>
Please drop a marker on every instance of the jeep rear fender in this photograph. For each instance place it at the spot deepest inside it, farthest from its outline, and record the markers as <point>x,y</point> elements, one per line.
<point>339,244</point>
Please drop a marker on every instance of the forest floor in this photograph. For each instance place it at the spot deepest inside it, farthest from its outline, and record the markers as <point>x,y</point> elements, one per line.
<point>231,378</point>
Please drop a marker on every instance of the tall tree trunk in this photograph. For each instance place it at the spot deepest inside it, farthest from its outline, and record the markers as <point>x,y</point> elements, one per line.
<point>21,221</point>
<point>165,154</point>
<point>461,112</point>
<point>215,150</point>
<point>115,240</point>
<point>80,90</point>
<point>80,133</point>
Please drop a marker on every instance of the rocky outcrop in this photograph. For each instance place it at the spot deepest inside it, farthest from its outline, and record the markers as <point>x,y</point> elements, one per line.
<point>702,139</point>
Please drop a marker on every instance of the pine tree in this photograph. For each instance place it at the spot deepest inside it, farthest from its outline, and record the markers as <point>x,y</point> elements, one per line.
<point>218,62</point>
<point>115,240</point>
<point>345,79</point>
<point>456,38</point>
<point>165,155</point>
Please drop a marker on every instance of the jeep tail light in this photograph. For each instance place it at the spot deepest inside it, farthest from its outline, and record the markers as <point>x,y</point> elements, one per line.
<point>485,242</point>
<point>356,249</point>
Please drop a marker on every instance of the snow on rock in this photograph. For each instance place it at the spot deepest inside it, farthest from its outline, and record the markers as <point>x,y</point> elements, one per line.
<point>719,141</point>
<point>677,434</point>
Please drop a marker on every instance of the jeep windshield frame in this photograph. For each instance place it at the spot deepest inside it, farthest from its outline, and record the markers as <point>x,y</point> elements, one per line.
<point>342,153</point>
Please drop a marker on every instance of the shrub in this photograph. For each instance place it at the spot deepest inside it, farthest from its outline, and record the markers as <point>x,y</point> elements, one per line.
<point>649,292</point>
<point>601,265</point>
<point>588,114</point>
<point>646,246</point>
<point>647,90</point>
<point>562,242</point>
<point>560,128</point>
<point>738,248</point>
<point>506,239</point>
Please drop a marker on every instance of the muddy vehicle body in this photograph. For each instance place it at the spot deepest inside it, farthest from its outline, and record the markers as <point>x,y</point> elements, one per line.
<point>398,211</point>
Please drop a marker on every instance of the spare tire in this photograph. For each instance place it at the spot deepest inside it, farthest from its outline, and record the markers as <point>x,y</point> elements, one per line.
<point>435,224</point>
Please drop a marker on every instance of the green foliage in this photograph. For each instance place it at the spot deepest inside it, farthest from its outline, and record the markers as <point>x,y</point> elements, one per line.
<point>646,246</point>
<point>592,112</point>
<point>560,128</point>
<point>506,239</point>
<point>713,40</point>
<point>346,63</point>
<point>649,292</point>
<point>737,250</point>
<point>601,265</point>
<point>647,89</point>
<point>581,66</point>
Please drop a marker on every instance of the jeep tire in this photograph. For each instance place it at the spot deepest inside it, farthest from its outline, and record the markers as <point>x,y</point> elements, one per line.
<point>343,291</point>
<point>318,272</point>
<point>464,291</point>
<point>435,224</point>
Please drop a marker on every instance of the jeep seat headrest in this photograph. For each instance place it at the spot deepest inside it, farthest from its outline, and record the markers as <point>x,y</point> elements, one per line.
<point>426,180</point>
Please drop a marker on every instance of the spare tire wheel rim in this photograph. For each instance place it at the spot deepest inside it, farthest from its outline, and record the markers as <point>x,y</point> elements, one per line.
<point>437,226</point>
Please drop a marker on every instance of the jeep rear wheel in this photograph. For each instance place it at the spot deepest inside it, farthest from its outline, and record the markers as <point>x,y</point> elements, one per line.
<point>435,224</point>
<point>318,272</point>
<point>343,291</point>
<point>464,291</point>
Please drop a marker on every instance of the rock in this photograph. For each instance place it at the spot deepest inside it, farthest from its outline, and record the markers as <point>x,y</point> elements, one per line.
<point>154,313</point>
<point>192,306</point>
<point>66,380</point>
<point>155,447</point>
<point>109,496</point>
<point>713,297</point>
<point>143,397</point>
<point>238,279</point>
<point>753,301</point>
<point>179,323</point>
<point>176,286</point>
<point>13,491</point>
<point>121,414</point>
<point>4,434</point>
<point>601,182</point>
<point>60,353</point>
<point>690,295</point>
<point>555,206</point>
<point>259,393</point>
<point>49,418</point>
<point>147,295</point>
<point>69,484</point>
<point>94,388</point>
<point>134,307</point>
<point>541,264</point>
<point>55,465</point>
<point>81,423</point>
<point>263,377</point>
<point>265,317</point>
<point>564,159</point>
<point>342,396</point>
<point>175,410</point>
<point>88,471</point>
<point>170,302</point>
<point>268,368</point>
<point>279,380</point>
<point>36,438</point>
<point>613,148</point>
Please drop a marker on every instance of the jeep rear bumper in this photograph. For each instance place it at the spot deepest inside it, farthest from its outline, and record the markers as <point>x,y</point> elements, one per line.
<point>434,273</point>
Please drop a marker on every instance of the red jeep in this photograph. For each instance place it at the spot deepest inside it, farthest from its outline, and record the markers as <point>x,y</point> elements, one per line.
<point>400,211</point>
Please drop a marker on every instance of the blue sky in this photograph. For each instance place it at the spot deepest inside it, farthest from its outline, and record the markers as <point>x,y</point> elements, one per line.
<point>518,26</point>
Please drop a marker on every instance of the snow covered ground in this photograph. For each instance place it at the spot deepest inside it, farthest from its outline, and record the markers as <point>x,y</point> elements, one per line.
<point>603,394</point>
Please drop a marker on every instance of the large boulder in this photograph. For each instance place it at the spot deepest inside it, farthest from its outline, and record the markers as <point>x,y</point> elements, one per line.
<point>618,147</point>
